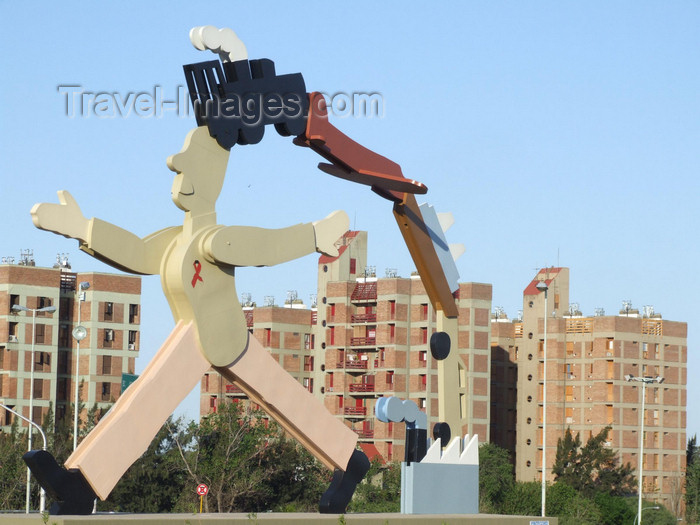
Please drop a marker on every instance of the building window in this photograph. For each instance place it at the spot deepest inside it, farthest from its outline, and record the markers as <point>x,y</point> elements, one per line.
<point>308,384</point>
<point>39,331</point>
<point>390,377</point>
<point>8,415</point>
<point>392,332</point>
<point>424,312</point>
<point>570,348</point>
<point>109,311</point>
<point>106,365</point>
<point>308,363</point>
<point>569,414</point>
<point>64,335</point>
<point>106,391</point>
<point>109,336</point>
<point>332,335</point>
<point>132,339</point>
<point>268,336</point>
<point>424,336</point>
<point>38,388</point>
<point>133,313</point>
<point>353,265</point>
<point>43,302</point>
<point>392,309</point>
<point>569,393</point>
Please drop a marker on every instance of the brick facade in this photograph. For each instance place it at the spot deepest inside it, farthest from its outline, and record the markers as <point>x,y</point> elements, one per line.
<point>55,349</point>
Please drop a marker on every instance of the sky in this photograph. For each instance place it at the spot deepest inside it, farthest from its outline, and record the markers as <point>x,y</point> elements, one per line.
<point>557,133</point>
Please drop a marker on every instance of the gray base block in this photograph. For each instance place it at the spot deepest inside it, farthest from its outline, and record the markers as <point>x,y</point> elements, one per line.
<point>437,488</point>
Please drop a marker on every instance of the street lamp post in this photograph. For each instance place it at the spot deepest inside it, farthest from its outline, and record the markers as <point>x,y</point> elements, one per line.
<point>639,516</point>
<point>20,308</point>
<point>79,334</point>
<point>644,381</point>
<point>542,287</point>
<point>42,492</point>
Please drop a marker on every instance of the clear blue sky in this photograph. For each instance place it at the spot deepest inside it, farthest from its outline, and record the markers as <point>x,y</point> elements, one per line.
<point>558,133</point>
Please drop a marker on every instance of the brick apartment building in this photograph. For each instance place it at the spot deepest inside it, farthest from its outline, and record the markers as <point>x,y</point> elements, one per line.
<point>588,358</point>
<point>110,311</point>
<point>368,338</point>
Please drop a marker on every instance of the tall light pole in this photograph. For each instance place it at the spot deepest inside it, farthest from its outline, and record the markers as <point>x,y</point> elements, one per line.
<point>79,333</point>
<point>644,381</point>
<point>639,516</point>
<point>20,308</point>
<point>42,492</point>
<point>542,287</point>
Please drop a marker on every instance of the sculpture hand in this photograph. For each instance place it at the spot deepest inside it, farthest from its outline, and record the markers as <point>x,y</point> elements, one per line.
<point>65,218</point>
<point>329,230</point>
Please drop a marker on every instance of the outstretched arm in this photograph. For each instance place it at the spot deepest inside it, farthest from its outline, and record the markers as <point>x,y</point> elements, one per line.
<point>104,241</point>
<point>250,246</point>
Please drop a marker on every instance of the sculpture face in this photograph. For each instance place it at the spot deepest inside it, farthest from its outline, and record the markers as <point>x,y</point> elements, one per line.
<point>200,168</point>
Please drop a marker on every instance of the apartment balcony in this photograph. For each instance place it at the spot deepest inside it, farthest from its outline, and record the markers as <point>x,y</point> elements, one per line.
<point>363,318</point>
<point>363,341</point>
<point>361,387</point>
<point>355,411</point>
<point>364,433</point>
<point>364,292</point>
<point>356,364</point>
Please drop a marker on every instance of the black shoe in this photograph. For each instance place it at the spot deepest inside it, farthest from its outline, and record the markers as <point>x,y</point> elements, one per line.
<point>69,488</point>
<point>342,487</point>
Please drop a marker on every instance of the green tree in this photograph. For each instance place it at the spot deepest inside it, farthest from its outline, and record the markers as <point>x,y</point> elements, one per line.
<point>654,514</point>
<point>580,511</point>
<point>614,510</point>
<point>692,492</point>
<point>13,471</point>
<point>691,450</point>
<point>496,477</point>
<point>524,499</point>
<point>593,468</point>
<point>233,452</point>
<point>560,497</point>
<point>380,491</point>
<point>298,479</point>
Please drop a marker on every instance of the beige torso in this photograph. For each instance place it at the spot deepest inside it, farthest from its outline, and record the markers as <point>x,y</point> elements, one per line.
<point>204,292</point>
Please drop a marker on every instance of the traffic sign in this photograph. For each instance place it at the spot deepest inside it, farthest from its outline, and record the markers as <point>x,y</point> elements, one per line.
<point>202,489</point>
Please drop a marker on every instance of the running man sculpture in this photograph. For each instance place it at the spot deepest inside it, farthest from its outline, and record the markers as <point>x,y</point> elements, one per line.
<point>197,263</point>
<point>234,100</point>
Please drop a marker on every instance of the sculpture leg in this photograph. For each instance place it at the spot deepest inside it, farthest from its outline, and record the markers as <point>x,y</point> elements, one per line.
<point>124,434</point>
<point>303,416</point>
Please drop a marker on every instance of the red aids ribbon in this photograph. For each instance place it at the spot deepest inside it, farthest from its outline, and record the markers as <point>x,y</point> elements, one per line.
<point>197,269</point>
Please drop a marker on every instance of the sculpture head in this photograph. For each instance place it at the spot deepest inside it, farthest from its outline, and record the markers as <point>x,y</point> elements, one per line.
<point>200,168</point>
